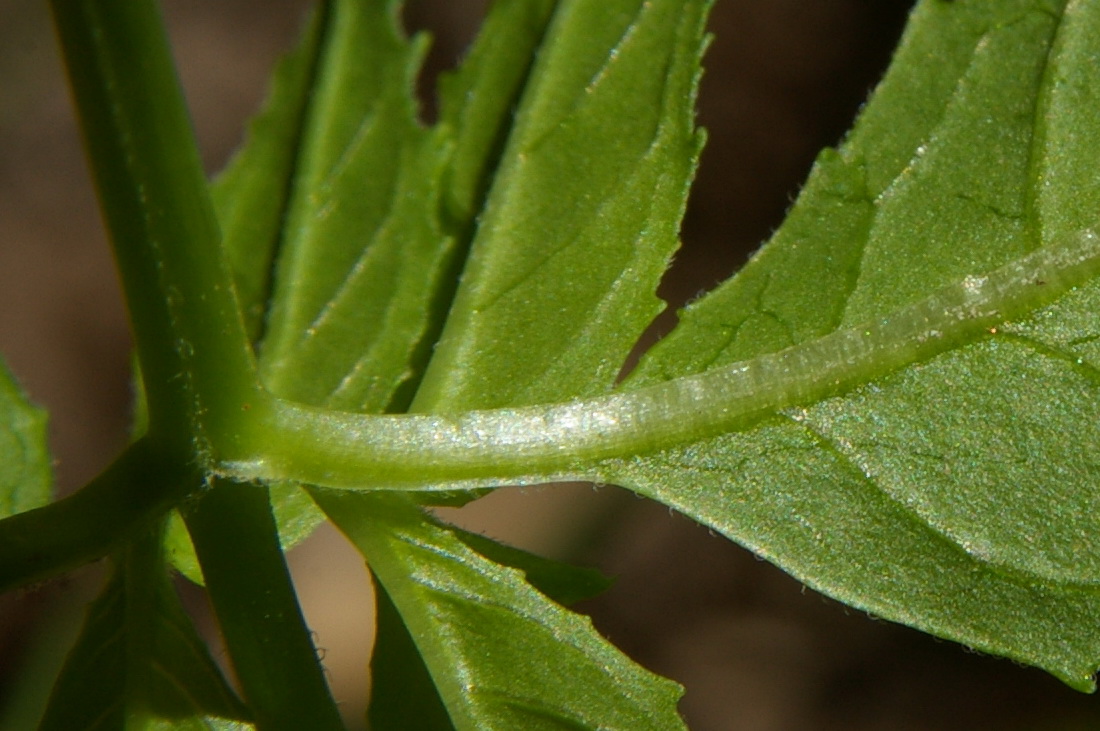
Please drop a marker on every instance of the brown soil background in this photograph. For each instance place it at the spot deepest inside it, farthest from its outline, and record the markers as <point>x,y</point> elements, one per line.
<point>755,649</point>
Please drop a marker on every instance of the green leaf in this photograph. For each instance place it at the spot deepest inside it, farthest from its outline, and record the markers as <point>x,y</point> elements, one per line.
<point>360,260</point>
<point>367,349</point>
<point>26,478</point>
<point>382,208</point>
<point>955,495</point>
<point>478,99</point>
<point>338,133</point>
<point>561,582</point>
<point>501,655</point>
<point>250,195</point>
<point>139,663</point>
<point>403,694</point>
<point>582,215</point>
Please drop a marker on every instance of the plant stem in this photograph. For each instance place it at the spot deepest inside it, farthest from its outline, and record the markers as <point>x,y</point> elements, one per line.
<point>287,441</point>
<point>195,358</point>
<point>238,548</point>
<point>136,490</point>
<point>565,441</point>
<point>145,572</point>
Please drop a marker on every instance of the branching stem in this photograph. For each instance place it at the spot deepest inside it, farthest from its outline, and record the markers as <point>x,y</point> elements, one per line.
<point>194,355</point>
<point>562,441</point>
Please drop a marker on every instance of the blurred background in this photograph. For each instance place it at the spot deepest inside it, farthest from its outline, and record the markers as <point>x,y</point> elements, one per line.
<point>755,649</point>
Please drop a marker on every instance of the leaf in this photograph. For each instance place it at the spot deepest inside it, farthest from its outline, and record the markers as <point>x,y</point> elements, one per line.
<point>360,261</point>
<point>26,479</point>
<point>139,663</point>
<point>477,102</point>
<point>403,694</point>
<point>383,208</point>
<point>954,495</point>
<point>365,103</point>
<point>250,195</point>
<point>564,583</point>
<point>367,349</point>
<point>501,655</point>
<point>581,217</point>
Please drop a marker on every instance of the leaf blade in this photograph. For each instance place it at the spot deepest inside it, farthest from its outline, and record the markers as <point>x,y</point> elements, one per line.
<point>402,693</point>
<point>26,478</point>
<point>251,194</point>
<point>942,453</point>
<point>139,657</point>
<point>501,654</point>
<point>361,260</point>
<point>560,280</point>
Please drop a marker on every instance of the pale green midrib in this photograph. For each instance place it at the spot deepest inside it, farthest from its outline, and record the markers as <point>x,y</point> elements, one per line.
<point>287,441</point>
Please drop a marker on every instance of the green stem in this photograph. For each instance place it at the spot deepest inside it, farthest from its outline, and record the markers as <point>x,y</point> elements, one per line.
<point>245,571</point>
<point>286,441</point>
<point>565,441</point>
<point>145,572</point>
<point>48,541</point>
<point>153,193</point>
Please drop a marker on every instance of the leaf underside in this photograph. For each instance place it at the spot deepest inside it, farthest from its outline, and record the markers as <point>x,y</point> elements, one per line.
<point>973,152</point>
<point>508,255</point>
<point>139,663</point>
<point>501,655</point>
<point>954,496</point>
<point>26,478</point>
<point>382,213</point>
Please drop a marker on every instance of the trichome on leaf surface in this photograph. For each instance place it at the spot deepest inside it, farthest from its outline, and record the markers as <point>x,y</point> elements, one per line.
<point>363,316</point>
